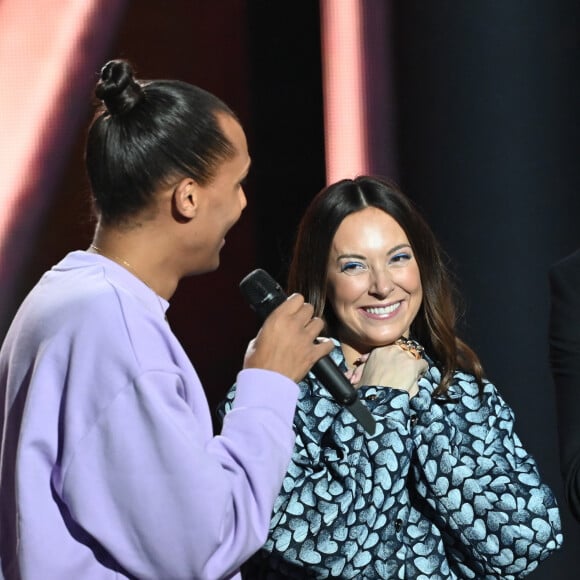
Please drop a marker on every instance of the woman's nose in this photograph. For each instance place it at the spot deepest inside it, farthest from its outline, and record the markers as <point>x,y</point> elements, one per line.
<point>381,283</point>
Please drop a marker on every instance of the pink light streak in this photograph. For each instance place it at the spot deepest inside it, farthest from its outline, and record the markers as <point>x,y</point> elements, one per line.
<point>36,41</point>
<point>344,89</point>
<point>50,52</point>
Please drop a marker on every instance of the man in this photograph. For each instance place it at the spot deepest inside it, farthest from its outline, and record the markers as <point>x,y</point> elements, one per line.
<point>109,467</point>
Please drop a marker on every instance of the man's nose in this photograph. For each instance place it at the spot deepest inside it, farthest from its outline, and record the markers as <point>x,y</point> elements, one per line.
<point>243,199</point>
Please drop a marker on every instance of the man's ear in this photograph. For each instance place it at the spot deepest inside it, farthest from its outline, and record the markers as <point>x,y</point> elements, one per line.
<point>186,199</point>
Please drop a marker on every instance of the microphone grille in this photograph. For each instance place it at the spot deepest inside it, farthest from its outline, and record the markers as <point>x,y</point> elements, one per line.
<point>262,292</point>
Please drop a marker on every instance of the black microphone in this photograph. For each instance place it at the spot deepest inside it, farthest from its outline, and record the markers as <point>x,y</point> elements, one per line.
<point>264,295</point>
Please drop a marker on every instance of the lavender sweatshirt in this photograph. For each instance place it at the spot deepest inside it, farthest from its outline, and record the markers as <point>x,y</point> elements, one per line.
<point>108,464</point>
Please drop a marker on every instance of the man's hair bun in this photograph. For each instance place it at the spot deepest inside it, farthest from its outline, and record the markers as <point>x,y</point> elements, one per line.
<point>117,87</point>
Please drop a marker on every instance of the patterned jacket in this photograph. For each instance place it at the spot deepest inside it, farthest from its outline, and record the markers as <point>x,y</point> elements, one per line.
<point>443,489</point>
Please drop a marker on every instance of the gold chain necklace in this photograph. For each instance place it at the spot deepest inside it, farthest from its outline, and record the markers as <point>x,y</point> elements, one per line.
<point>116,259</point>
<point>126,264</point>
<point>122,262</point>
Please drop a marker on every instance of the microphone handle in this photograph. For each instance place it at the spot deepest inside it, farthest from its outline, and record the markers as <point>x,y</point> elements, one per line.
<point>335,382</point>
<point>264,294</point>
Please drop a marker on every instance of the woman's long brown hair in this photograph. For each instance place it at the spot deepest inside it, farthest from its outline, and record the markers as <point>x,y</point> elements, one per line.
<point>435,324</point>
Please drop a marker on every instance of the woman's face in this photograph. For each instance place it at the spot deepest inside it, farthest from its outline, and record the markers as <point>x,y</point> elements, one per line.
<point>373,282</point>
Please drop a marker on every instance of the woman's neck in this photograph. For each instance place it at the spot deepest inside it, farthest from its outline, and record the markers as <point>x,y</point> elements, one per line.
<point>351,355</point>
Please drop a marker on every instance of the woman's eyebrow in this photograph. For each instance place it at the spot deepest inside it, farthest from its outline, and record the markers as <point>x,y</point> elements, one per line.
<point>399,247</point>
<point>361,257</point>
<point>357,256</point>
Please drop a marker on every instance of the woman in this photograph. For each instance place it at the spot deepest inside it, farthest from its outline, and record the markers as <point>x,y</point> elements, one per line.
<point>109,467</point>
<point>444,488</point>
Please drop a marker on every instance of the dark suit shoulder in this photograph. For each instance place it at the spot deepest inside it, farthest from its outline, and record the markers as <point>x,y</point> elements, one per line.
<point>569,266</point>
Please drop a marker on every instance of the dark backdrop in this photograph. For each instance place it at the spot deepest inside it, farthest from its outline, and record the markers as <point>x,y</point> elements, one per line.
<point>487,128</point>
<point>489,144</point>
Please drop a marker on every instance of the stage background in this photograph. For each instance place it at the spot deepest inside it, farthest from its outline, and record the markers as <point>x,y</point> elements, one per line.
<point>485,124</point>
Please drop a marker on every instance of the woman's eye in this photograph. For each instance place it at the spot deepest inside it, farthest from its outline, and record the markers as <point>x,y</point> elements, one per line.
<point>401,257</point>
<point>353,268</point>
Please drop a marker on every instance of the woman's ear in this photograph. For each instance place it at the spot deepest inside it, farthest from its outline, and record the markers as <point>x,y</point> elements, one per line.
<point>186,198</point>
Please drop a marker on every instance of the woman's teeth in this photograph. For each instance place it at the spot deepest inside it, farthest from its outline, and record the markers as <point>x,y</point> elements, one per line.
<point>382,311</point>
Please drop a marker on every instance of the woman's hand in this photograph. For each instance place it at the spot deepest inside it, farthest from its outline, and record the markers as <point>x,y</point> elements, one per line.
<point>389,366</point>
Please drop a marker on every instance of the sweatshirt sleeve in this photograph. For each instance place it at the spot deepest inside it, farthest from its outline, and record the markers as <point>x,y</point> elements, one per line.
<point>162,500</point>
<point>482,486</point>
